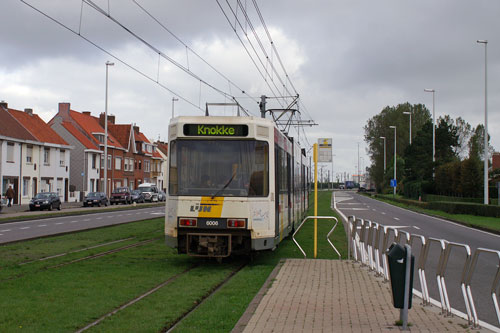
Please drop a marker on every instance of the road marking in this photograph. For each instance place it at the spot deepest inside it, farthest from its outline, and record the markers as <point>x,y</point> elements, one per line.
<point>99,218</point>
<point>416,227</point>
<point>383,213</point>
<point>6,230</point>
<point>110,217</point>
<point>396,218</point>
<point>160,213</point>
<point>73,221</point>
<point>24,228</point>
<point>129,214</point>
<point>60,223</point>
<point>374,209</point>
<point>42,225</point>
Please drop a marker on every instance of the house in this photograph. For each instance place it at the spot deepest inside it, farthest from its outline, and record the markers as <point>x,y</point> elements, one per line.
<point>33,157</point>
<point>162,149</point>
<point>84,131</point>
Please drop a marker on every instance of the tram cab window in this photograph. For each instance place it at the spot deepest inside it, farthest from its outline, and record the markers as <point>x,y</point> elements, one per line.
<point>237,168</point>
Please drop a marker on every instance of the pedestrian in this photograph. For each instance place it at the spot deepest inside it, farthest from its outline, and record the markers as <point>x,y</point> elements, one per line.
<point>10,195</point>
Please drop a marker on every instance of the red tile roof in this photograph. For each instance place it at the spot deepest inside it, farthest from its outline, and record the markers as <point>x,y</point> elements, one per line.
<point>121,132</point>
<point>89,144</point>
<point>37,127</point>
<point>163,147</point>
<point>139,136</point>
<point>91,125</point>
<point>12,128</point>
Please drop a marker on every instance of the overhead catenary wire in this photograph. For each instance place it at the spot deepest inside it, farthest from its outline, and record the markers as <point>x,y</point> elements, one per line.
<point>111,55</point>
<point>147,12</point>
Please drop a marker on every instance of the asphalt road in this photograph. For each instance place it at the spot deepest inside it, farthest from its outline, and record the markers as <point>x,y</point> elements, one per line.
<point>15,231</point>
<point>350,203</point>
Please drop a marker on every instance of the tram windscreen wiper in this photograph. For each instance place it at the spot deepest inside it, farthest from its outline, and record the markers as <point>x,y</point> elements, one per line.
<point>227,184</point>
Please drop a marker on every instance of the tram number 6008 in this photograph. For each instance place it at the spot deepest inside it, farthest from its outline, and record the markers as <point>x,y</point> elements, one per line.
<point>212,223</point>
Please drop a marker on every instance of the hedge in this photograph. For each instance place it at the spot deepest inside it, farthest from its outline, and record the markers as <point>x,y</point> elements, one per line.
<point>465,208</point>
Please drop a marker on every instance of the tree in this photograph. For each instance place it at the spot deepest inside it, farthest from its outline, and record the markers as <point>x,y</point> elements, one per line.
<point>378,126</point>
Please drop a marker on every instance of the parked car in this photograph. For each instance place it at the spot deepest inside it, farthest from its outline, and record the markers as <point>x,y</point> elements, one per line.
<point>150,191</point>
<point>161,196</point>
<point>45,200</point>
<point>137,196</point>
<point>120,195</point>
<point>95,198</point>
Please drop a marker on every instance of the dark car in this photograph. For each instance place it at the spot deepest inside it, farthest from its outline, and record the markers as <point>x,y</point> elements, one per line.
<point>45,200</point>
<point>137,196</point>
<point>95,198</point>
<point>120,195</point>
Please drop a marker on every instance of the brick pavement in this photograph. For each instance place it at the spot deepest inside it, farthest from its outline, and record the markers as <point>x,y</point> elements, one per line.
<point>335,296</point>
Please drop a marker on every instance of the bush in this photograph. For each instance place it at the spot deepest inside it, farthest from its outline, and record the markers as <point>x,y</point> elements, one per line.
<point>465,208</point>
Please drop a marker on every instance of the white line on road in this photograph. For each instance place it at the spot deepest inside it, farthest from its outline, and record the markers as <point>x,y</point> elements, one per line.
<point>74,221</point>
<point>383,213</point>
<point>24,228</point>
<point>41,225</point>
<point>60,223</point>
<point>99,218</point>
<point>396,218</point>
<point>110,217</point>
<point>416,227</point>
<point>6,230</point>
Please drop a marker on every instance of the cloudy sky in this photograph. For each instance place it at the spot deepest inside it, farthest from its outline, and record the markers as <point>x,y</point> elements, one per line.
<point>346,59</point>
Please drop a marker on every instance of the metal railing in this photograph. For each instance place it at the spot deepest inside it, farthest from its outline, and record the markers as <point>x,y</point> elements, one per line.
<point>327,236</point>
<point>365,237</point>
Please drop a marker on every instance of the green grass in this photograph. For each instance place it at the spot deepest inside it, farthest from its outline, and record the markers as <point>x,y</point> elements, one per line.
<point>35,298</point>
<point>474,221</point>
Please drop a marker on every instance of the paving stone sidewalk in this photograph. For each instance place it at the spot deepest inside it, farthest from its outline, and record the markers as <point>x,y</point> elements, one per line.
<point>336,296</point>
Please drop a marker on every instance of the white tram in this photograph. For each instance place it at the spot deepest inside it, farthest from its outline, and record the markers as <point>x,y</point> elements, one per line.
<point>236,185</point>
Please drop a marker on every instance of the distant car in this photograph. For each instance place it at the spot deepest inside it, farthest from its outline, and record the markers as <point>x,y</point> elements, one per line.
<point>137,196</point>
<point>95,198</point>
<point>150,191</point>
<point>120,195</point>
<point>161,196</point>
<point>45,200</point>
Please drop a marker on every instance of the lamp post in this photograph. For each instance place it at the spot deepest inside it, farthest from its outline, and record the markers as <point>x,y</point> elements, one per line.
<point>394,156</point>
<point>106,131</point>
<point>406,112</point>
<point>485,42</point>
<point>383,137</point>
<point>433,125</point>
<point>173,100</point>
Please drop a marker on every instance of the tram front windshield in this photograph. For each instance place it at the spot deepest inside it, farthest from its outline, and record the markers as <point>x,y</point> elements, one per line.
<point>227,168</point>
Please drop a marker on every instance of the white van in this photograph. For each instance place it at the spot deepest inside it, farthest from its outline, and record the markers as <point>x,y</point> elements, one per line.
<point>150,191</point>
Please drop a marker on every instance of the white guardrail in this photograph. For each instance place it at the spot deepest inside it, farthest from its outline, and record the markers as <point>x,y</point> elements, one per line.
<point>365,238</point>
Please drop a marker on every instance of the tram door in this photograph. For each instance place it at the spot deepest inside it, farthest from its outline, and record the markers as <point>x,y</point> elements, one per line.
<point>282,188</point>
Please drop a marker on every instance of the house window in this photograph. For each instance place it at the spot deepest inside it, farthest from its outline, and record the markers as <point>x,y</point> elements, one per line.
<point>118,163</point>
<point>102,161</point>
<point>62,158</point>
<point>109,162</point>
<point>140,165</point>
<point>26,185</point>
<point>147,167</point>
<point>94,161</point>
<point>125,164</point>
<point>46,156</point>
<point>29,154</point>
<point>10,152</point>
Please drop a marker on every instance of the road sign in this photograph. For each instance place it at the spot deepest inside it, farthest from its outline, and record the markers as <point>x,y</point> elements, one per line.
<point>394,182</point>
<point>325,150</point>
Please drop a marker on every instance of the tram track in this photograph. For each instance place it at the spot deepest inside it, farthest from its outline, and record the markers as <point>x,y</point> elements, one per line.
<point>97,255</point>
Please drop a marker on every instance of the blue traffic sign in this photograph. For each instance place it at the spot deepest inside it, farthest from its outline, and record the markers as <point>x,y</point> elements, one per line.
<point>394,182</point>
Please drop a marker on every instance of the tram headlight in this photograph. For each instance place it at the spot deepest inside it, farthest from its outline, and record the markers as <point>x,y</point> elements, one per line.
<point>236,223</point>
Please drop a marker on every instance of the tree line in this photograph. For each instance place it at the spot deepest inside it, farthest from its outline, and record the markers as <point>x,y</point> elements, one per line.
<point>458,166</point>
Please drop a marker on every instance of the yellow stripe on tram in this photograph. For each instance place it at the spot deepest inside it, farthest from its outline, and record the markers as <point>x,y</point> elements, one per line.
<point>211,208</point>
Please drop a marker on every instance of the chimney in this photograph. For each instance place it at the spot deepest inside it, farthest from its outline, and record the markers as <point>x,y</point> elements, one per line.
<point>111,118</point>
<point>136,128</point>
<point>3,104</point>
<point>29,111</point>
<point>64,111</point>
<point>87,113</point>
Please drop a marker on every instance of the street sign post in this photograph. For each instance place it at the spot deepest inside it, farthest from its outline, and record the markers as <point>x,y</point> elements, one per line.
<point>394,182</point>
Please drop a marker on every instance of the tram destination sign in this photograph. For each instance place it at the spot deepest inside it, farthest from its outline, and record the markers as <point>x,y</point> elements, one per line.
<point>215,130</point>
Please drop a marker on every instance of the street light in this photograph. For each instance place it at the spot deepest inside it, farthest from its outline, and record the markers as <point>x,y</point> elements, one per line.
<point>383,137</point>
<point>106,131</point>
<point>406,112</point>
<point>394,156</point>
<point>433,125</point>
<point>485,42</point>
<point>173,100</point>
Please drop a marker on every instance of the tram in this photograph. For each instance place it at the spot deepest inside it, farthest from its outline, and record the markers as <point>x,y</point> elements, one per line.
<point>236,185</point>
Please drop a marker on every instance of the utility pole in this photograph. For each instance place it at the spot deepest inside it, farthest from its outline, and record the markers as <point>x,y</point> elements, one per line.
<point>262,106</point>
